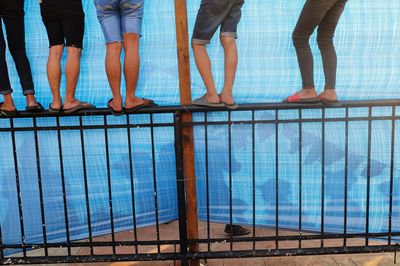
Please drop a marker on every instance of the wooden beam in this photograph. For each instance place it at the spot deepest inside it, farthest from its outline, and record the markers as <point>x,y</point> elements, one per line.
<point>182,38</point>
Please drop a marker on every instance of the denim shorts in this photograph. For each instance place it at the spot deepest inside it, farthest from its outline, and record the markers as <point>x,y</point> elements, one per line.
<point>119,16</point>
<point>213,14</point>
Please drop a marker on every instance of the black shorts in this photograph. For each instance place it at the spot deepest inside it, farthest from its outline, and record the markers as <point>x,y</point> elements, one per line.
<point>64,21</point>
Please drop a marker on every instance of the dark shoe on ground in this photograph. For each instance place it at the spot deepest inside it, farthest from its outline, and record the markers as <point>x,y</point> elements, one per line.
<point>113,111</point>
<point>35,109</point>
<point>54,110</point>
<point>236,230</point>
<point>81,106</point>
<point>295,98</point>
<point>146,103</point>
<point>202,101</point>
<point>5,113</point>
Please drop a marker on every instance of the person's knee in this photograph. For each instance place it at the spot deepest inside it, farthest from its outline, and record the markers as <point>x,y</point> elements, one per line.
<point>56,52</point>
<point>227,42</point>
<point>17,47</point>
<point>198,48</point>
<point>74,52</point>
<point>114,48</point>
<point>299,39</point>
<point>131,41</point>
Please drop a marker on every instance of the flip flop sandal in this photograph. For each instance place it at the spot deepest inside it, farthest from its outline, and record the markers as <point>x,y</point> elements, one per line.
<point>232,106</point>
<point>145,104</point>
<point>331,103</point>
<point>81,106</point>
<point>35,109</point>
<point>295,98</point>
<point>202,101</point>
<point>55,110</point>
<point>8,114</point>
<point>113,111</point>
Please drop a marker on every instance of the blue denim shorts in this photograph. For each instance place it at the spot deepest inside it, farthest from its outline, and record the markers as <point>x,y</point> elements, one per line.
<point>213,14</point>
<point>119,16</point>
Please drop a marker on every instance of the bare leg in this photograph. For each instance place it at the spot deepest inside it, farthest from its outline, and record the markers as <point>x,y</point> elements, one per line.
<point>54,74</point>
<point>231,61</point>
<point>131,69</point>
<point>72,69</point>
<point>204,66</point>
<point>113,70</point>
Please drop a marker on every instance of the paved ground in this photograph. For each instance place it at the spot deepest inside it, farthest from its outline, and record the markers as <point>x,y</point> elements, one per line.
<point>169,231</point>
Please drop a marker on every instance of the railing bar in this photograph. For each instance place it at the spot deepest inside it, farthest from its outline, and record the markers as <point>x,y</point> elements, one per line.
<point>276,178</point>
<point>17,181</point>
<point>300,175</point>
<point>155,183</point>
<point>110,199</point>
<point>40,186</point>
<point>85,178</point>
<point>323,178</point>
<point>207,179</point>
<point>132,183</point>
<point>253,161</point>
<point>230,176</point>
<point>346,178</point>
<point>288,121</point>
<point>391,175</point>
<point>60,153</point>
<point>368,175</point>
<point>1,244</point>
<point>214,240</point>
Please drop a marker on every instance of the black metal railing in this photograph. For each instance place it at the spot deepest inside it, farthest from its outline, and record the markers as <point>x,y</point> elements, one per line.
<point>258,133</point>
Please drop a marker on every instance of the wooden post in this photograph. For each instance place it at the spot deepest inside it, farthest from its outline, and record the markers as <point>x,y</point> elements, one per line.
<point>182,37</point>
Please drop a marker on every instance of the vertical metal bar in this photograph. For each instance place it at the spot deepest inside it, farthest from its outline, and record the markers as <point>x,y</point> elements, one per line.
<point>1,244</point>
<point>230,177</point>
<point>63,186</point>
<point>300,175</point>
<point>132,182</point>
<point>155,182</point>
<point>276,178</point>
<point>323,178</point>
<point>17,181</point>
<point>391,174</point>
<point>180,179</point>
<point>85,178</point>
<point>110,200</point>
<point>207,181</point>
<point>346,177</point>
<point>253,162</point>
<point>368,174</point>
<point>46,252</point>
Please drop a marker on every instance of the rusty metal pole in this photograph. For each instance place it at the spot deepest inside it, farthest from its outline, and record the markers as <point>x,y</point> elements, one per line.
<point>182,38</point>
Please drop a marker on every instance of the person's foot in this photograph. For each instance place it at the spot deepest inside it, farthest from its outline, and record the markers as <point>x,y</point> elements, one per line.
<point>115,104</point>
<point>328,95</point>
<point>226,98</point>
<point>7,106</point>
<point>75,106</point>
<point>303,96</point>
<point>131,103</point>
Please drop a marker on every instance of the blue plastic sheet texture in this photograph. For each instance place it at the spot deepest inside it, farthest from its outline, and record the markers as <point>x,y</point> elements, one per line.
<point>369,68</point>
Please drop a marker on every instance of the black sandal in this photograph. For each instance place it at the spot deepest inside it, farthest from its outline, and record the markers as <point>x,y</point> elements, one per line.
<point>5,113</point>
<point>35,109</point>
